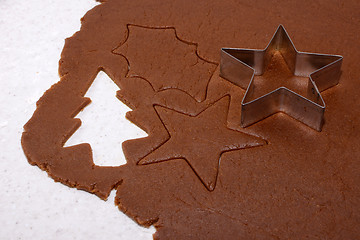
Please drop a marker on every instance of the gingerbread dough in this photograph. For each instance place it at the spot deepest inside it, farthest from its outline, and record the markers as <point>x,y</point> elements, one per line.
<point>281,180</point>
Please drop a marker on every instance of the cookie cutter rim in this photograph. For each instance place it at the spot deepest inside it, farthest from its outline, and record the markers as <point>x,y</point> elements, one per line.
<point>239,66</point>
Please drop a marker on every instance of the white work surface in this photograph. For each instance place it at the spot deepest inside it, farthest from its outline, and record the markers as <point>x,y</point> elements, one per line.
<point>32,205</point>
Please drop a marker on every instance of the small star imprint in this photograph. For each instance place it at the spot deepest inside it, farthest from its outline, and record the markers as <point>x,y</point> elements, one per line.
<point>200,140</point>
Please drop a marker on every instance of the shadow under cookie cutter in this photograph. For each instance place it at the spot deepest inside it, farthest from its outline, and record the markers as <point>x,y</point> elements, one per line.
<point>239,66</point>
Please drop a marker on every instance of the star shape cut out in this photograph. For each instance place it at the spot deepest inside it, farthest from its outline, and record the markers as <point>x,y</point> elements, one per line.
<point>323,71</point>
<point>200,140</point>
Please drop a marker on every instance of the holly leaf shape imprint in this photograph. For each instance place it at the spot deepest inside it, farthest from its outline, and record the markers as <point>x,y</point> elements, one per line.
<point>166,61</point>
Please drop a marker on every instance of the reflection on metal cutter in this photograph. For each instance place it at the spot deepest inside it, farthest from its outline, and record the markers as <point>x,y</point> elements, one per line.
<point>239,66</point>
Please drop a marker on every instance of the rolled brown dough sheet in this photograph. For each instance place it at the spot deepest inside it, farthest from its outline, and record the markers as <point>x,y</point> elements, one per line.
<point>199,175</point>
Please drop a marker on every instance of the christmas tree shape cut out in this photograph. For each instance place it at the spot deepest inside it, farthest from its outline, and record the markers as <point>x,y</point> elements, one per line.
<point>104,125</point>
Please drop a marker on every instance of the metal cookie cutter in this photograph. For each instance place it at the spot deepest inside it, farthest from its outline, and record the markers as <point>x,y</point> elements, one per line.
<point>239,66</point>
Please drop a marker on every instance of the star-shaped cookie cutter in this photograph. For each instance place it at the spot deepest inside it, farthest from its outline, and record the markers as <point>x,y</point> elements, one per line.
<point>239,66</point>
